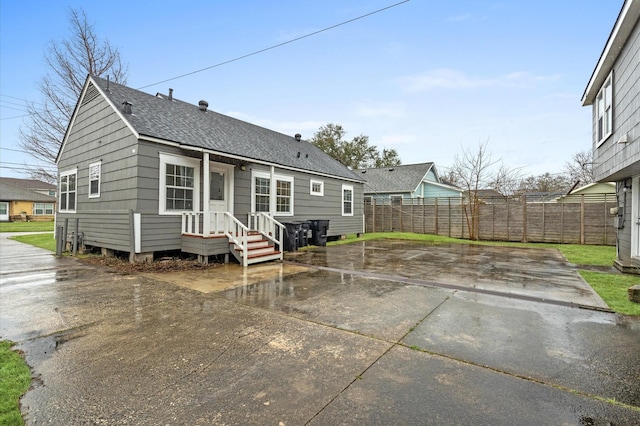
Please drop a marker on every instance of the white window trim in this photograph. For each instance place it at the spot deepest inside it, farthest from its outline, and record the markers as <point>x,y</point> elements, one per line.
<point>179,161</point>
<point>99,165</point>
<point>608,101</point>
<point>273,188</point>
<point>347,188</point>
<point>44,209</point>
<point>316,193</point>
<point>63,174</point>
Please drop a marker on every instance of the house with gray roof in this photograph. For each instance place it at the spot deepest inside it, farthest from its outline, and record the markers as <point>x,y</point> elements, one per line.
<point>23,200</point>
<point>144,173</point>
<point>405,183</point>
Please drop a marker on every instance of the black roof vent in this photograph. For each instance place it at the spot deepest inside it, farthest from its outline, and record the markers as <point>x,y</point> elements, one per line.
<point>126,107</point>
<point>298,137</point>
<point>203,105</point>
<point>170,94</point>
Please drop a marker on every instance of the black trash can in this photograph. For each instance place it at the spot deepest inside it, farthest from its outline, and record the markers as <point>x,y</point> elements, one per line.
<point>303,234</point>
<point>319,231</point>
<point>291,236</point>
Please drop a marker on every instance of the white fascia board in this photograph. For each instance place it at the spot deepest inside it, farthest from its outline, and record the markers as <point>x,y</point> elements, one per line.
<point>627,20</point>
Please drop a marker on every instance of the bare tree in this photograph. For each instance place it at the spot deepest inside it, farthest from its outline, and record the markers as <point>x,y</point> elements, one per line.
<point>69,61</point>
<point>472,171</point>
<point>580,168</point>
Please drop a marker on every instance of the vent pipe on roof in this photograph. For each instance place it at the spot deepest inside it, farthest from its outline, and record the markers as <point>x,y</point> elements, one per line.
<point>170,94</point>
<point>298,137</point>
<point>203,105</point>
<point>126,107</point>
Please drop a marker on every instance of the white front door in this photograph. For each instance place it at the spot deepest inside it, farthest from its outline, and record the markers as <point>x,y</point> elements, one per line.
<point>4,211</point>
<point>220,194</point>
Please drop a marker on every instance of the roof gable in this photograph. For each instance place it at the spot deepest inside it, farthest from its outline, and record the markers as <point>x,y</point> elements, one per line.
<point>396,179</point>
<point>625,23</point>
<point>159,119</point>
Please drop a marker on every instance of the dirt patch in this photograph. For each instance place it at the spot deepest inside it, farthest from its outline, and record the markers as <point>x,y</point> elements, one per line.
<point>125,267</point>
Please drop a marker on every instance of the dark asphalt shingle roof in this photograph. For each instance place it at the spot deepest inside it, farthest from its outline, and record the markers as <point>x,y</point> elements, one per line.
<point>184,123</point>
<point>403,178</point>
<point>10,192</point>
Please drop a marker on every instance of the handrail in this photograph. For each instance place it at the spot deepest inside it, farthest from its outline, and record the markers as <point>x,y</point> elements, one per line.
<point>267,225</point>
<point>238,234</point>
<point>191,223</point>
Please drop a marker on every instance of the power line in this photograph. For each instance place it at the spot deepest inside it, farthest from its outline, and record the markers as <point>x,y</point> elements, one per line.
<point>277,45</point>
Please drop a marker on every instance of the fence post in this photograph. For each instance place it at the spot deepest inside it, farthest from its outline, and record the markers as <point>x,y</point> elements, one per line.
<point>449,221</point>
<point>435,217</point>
<point>582,219</point>
<point>524,218</point>
<point>561,223</point>
<point>508,211</point>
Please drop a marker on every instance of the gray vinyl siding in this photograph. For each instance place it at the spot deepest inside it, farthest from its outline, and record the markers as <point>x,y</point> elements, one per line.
<point>307,206</point>
<point>614,161</point>
<point>624,234</point>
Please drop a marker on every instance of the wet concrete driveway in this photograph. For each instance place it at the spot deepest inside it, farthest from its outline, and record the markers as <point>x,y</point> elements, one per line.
<point>359,337</point>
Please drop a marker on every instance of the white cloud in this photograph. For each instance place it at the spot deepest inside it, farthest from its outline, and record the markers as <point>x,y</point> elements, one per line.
<point>444,78</point>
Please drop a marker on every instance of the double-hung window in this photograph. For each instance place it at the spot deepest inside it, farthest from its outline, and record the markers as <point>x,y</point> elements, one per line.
<point>604,110</point>
<point>68,190</point>
<point>94,179</point>
<point>347,200</point>
<point>272,194</point>
<point>179,184</point>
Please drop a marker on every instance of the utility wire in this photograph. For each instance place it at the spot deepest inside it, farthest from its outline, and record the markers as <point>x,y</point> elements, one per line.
<point>277,45</point>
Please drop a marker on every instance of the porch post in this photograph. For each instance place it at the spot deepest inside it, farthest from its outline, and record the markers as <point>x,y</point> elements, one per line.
<point>206,219</point>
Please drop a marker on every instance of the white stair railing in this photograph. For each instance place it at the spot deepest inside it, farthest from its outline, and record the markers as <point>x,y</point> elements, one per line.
<point>191,223</point>
<point>238,234</point>
<point>269,227</point>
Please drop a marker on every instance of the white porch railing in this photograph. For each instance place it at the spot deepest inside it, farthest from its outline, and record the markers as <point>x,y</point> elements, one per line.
<point>203,224</point>
<point>269,227</point>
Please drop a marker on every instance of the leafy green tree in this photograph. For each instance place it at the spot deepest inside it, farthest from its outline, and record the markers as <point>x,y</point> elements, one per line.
<point>356,153</point>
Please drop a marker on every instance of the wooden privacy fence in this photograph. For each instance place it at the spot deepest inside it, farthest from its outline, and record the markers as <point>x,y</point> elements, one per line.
<point>583,219</point>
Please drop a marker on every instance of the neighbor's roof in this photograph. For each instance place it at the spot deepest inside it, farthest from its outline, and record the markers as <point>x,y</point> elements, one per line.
<point>405,178</point>
<point>28,184</point>
<point>625,23</point>
<point>160,119</point>
<point>10,192</point>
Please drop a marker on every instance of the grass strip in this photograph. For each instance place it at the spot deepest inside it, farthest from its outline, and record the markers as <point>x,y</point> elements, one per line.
<point>15,378</point>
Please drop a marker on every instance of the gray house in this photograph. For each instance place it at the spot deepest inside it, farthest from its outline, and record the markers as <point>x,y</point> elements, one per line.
<point>614,94</point>
<point>408,182</point>
<point>140,174</point>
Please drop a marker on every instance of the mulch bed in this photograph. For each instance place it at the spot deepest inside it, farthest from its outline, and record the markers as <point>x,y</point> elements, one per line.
<point>166,264</point>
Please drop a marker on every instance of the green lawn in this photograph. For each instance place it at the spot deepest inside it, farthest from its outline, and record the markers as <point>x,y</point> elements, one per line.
<point>45,241</point>
<point>15,378</point>
<point>611,287</point>
<point>26,226</point>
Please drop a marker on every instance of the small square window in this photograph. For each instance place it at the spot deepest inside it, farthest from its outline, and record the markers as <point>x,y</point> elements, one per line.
<point>317,188</point>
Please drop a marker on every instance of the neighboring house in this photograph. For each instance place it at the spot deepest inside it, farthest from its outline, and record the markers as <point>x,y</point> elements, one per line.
<point>32,185</point>
<point>597,192</point>
<point>613,93</point>
<point>403,183</point>
<point>20,204</point>
<point>143,174</point>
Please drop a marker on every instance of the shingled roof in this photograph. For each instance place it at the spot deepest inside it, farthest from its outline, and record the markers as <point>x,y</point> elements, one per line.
<point>10,192</point>
<point>396,179</point>
<point>180,122</point>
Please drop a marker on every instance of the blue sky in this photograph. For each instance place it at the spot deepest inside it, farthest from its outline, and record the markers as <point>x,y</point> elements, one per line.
<point>425,77</point>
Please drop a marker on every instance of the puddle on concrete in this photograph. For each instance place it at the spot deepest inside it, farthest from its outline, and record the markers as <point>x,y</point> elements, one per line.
<point>228,276</point>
